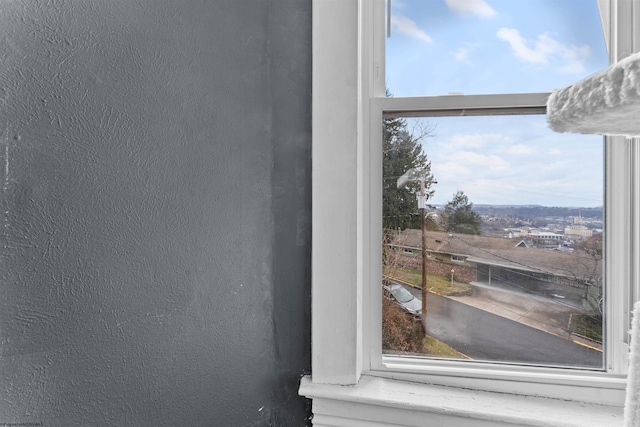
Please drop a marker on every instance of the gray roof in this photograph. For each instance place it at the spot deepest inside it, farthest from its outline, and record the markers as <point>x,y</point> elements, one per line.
<point>505,253</point>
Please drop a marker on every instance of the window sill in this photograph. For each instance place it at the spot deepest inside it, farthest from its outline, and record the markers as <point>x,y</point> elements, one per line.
<point>387,402</point>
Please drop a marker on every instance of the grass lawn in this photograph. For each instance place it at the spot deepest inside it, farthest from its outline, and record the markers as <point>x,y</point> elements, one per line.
<point>435,282</point>
<point>587,326</point>
<point>433,347</point>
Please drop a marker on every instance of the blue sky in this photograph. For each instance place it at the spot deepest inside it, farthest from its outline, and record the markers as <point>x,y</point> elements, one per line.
<point>501,46</point>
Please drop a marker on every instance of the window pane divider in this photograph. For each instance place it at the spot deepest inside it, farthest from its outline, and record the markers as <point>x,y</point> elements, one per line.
<point>464,105</point>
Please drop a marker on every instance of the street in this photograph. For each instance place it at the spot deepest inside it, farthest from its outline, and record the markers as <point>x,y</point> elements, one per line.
<point>482,335</point>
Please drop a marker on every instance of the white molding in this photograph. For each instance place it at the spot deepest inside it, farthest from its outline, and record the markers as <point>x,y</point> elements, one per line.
<point>604,7</point>
<point>347,384</point>
<point>336,349</point>
<point>384,402</point>
<point>623,238</point>
<point>618,256</point>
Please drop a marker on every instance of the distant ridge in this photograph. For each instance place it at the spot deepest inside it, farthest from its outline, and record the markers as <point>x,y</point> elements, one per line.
<point>537,211</point>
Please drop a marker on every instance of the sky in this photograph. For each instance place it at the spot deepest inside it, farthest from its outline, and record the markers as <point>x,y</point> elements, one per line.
<point>501,46</point>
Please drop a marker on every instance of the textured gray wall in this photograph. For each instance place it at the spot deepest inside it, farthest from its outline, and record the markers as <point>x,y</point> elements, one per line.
<point>155,212</point>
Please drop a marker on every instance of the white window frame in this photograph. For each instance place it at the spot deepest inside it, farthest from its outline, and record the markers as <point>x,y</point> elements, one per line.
<point>348,99</point>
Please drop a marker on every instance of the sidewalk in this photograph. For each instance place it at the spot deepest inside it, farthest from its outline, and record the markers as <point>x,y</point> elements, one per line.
<point>537,312</point>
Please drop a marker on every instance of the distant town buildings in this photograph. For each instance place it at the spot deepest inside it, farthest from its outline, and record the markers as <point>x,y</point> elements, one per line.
<point>545,239</point>
<point>578,230</point>
<point>553,237</point>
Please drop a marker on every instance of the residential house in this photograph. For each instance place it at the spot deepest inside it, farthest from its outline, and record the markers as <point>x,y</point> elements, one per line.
<point>578,274</point>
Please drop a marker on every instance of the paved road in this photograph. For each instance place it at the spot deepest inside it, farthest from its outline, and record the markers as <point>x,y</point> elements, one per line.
<point>482,335</point>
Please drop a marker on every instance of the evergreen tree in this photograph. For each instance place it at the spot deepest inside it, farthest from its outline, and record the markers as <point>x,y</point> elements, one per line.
<point>460,217</point>
<point>402,151</point>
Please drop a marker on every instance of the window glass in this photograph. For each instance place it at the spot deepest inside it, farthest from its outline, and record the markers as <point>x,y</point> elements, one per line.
<point>491,46</point>
<point>513,226</point>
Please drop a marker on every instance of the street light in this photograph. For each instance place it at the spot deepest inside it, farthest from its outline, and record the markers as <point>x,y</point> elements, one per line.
<point>413,175</point>
<point>452,271</point>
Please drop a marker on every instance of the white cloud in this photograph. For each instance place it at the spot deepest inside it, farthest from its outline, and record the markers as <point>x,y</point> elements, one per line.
<point>520,48</point>
<point>522,191</point>
<point>476,7</point>
<point>486,189</point>
<point>462,54</point>
<point>550,166</point>
<point>407,26</point>
<point>546,49</point>
<point>450,171</point>
<point>461,166</point>
<point>555,152</point>
<point>520,150</point>
<point>490,162</point>
<point>474,140</point>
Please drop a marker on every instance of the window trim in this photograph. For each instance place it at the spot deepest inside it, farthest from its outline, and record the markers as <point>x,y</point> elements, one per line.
<point>590,386</point>
<point>348,63</point>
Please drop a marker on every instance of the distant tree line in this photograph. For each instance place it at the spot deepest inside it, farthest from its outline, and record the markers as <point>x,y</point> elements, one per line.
<point>535,211</point>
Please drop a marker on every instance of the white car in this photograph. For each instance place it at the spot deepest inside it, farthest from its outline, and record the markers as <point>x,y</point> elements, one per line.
<point>403,298</point>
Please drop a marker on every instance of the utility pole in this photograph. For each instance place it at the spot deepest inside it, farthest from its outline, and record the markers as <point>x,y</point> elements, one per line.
<point>422,203</point>
<point>412,176</point>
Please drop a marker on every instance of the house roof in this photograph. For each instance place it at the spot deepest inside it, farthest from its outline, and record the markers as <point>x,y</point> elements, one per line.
<point>504,252</point>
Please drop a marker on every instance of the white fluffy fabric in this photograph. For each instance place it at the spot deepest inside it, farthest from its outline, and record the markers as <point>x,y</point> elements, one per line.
<point>632,403</point>
<point>606,103</point>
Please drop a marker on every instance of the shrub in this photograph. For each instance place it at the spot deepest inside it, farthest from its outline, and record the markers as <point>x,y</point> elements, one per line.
<point>400,331</point>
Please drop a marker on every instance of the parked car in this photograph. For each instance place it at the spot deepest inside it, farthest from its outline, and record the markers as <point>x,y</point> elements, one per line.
<point>398,294</point>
